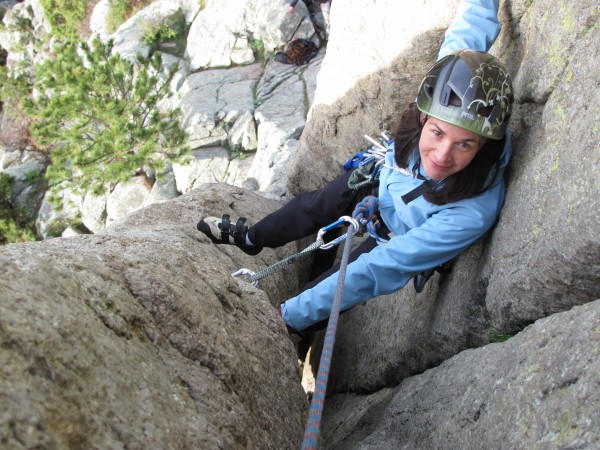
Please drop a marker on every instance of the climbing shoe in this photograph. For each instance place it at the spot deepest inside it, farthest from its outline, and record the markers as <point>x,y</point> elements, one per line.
<point>222,231</point>
<point>421,279</point>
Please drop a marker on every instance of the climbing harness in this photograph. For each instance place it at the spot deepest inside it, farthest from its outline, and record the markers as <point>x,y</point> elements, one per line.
<point>319,243</point>
<point>313,424</point>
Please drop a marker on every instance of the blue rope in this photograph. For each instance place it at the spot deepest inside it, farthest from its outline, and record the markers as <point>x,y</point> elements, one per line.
<point>313,424</point>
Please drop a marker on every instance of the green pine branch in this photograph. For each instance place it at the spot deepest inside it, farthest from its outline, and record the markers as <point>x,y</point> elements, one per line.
<point>98,113</point>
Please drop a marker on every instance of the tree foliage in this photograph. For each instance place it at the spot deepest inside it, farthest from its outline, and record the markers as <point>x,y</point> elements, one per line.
<point>65,17</point>
<point>14,87</point>
<point>15,224</point>
<point>99,114</point>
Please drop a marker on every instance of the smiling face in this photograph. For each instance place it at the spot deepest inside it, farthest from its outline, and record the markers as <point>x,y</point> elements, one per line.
<point>446,149</point>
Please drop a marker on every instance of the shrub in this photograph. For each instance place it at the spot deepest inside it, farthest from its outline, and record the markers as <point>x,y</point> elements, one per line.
<point>15,224</point>
<point>258,48</point>
<point>172,29</point>
<point>98,114</point>
<point>65,17</point>
<point>13,89</point>
<point>121,10</point>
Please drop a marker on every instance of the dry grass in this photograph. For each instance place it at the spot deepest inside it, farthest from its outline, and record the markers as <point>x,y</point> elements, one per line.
<point>14,131</point>
<point>121,10</point>
<point>85,29</point>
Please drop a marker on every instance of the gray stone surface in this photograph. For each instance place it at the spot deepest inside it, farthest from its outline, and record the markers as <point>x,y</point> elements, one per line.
<point>539,389</point>
<point>219,35</point>
<point>545,253</point>
<point>138,337</point>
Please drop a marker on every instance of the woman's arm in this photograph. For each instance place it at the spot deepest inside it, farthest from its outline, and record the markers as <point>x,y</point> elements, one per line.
<point>475,27</point>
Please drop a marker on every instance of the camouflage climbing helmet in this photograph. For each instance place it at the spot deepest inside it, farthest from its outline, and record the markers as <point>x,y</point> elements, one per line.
<point>480,83</point>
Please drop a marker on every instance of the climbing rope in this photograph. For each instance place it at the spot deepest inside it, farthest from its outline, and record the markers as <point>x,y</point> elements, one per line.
<point>313,424</point>
<point>319,243</point>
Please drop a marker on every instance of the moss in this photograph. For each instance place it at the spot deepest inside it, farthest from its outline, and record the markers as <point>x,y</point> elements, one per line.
<point>258,48</point>
<point>543,21</point>
<point>496,336</point>
<point>565,429</point>
<point>554,167</point>
<point>569,76</point>
<point>560,113</point>
<point>168,35</point>
<point>558,54</point>
<point>570,214</point>
<point>591,27</point>
<point>568,21</point>
<point>536,232</point>
<point>65,17</point>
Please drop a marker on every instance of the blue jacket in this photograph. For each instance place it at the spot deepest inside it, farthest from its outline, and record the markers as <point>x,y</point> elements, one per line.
<point>425,235</point>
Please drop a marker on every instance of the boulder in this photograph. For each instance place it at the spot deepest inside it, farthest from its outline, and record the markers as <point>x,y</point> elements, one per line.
<point>53,219</point>
<point>211,102</point>
<point>539,389</point>
<point>138,337</point>
<point>208,165</point>
<point>545,253</point>
<point>222,33</point>
<point>126,197</point>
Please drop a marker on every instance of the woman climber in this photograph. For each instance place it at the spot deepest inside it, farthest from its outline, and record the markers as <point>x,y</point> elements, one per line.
<point>440,185</point>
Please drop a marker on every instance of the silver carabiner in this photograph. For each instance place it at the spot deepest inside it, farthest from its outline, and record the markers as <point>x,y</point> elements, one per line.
<point>245,272</point>
<point>336,241</point>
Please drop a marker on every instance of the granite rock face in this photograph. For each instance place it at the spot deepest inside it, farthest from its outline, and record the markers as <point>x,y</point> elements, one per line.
<point>138,337</point>
<point>539,389</point>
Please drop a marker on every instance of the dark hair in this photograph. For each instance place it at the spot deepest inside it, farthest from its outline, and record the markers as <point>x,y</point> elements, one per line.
<point>466,183</point>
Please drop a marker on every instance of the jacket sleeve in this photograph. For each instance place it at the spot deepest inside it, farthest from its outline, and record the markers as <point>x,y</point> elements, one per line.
<point>388,267</point>
<point>475,27</point>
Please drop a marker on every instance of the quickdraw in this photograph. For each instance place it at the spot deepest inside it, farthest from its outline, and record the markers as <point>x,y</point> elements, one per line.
<point>255,277</point>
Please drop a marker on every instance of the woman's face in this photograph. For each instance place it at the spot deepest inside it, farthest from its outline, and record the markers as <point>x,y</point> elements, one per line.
<point>446,149</point>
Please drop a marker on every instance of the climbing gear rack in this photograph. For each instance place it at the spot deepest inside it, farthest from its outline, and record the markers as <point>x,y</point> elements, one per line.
<point>368,163</point>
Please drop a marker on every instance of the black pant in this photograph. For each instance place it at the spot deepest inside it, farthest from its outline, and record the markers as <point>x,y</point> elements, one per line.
<point>305,215</point>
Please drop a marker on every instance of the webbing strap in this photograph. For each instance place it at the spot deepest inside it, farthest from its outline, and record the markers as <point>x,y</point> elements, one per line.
<point>313,425</point>
<point>256,277</point>
<point>427,185</point>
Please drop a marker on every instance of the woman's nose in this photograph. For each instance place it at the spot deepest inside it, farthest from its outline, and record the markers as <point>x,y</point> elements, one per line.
<point>444,151</point>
